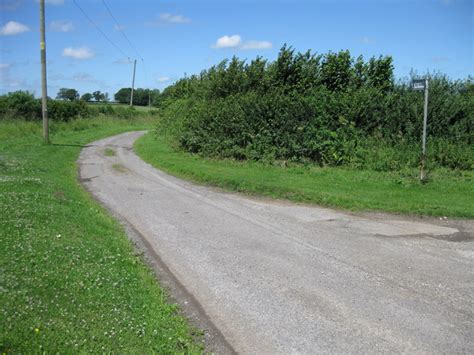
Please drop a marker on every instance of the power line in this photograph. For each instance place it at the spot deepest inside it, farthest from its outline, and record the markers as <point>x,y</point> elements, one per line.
<point>146,71</point>
<point>100,31</point>
<point>119,28</point>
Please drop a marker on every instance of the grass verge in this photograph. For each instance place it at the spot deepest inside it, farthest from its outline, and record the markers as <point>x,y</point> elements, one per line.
<point>448,193</point>
<point>70,280</point>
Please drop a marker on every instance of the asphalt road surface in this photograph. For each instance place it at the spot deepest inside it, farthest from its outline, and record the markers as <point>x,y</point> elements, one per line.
<point>277,277</point>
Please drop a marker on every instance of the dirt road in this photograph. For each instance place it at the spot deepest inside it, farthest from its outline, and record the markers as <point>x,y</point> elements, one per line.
<point>277,277</point>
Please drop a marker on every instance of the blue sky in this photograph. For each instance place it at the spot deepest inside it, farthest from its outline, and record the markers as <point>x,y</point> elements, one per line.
<point>178,37</point>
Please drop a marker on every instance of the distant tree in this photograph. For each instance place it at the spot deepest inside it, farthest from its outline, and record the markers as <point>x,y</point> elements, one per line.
<point>141,97</point>
<point>154,96</point>
<point>96,95</point>
<point>87,97</point>
<point>123,95</point>
<point>99,96</point>
<point>67,94</point>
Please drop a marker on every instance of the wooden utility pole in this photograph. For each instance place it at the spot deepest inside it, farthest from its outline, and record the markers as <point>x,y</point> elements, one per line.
<point>133,82</point>
<point>44,90</point>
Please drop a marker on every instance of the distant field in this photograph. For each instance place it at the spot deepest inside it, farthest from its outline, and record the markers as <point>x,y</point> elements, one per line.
<point>70,281</point>
<point>139,108</point>
<point>448,193</point>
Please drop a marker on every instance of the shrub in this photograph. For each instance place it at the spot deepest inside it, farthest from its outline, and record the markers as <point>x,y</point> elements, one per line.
<point>23,105</point>
<point>328,109</point>
<point>20,104</point>
<point>63,111</point>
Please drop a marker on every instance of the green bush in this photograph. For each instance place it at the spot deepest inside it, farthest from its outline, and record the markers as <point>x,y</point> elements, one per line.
<point>63,111</point>
<point>104,109</point>
<point>124,112</point>
<point>23,105</point>
<point>20,104</point>
<point>327,109</point>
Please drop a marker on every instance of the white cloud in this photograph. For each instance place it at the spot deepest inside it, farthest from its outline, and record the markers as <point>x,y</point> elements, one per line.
<point>166,18</point>
<point>235,41</point>
<point>368,40</point>
<point>228,41</point>
<point>438,60</point>
<point>82,77</point>
<point>13,28</point>
<point>78,77</point>
<point>14,82</point>
<point>78,53</point>
<point>119,27</point>
<point>163,79</point>
<point>56,77</point>
<point>87,78</point>
<point>6,79</point>
<point>169,18</point>
<point>9,5</point>
<point>256,45</point>
<point>123,61</point>
<point>61,26</point>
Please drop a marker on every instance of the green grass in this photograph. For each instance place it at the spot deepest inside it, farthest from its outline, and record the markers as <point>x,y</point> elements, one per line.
<point>119,167</point>
<point>448,193</point>
<point>113,104</point>
<point>70,280</point>
<point>109,152</point>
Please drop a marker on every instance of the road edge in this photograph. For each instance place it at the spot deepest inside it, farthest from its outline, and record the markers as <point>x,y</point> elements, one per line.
<point>189,307</point>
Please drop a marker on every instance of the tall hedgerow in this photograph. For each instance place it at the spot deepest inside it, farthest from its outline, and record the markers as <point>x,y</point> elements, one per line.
<point>330,109</point>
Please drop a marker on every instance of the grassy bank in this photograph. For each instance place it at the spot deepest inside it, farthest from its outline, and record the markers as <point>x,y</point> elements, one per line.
<point>125,106</point>
<point>448,193</point>
<point>70,280</point>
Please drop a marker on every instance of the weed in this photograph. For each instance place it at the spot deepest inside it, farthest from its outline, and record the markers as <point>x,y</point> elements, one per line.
<point>109,152</point>
<point>120,168</point>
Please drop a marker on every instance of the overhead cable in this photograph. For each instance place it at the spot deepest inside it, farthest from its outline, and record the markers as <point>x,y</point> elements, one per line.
<point>99,30</point>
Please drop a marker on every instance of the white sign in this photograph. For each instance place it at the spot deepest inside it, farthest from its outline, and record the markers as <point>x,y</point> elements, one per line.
<point>419,84</point>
